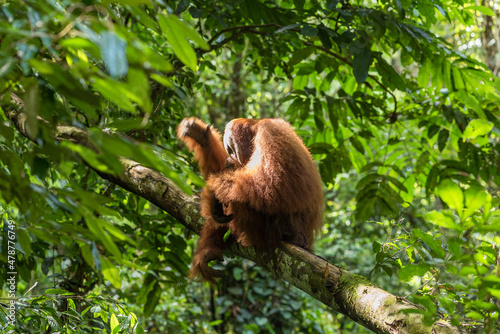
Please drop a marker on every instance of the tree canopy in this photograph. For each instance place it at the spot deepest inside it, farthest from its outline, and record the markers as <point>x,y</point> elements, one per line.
<point>398,101</point>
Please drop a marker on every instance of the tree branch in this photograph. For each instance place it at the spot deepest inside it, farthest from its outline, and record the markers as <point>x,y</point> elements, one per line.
<point>241,28</point>
<point>344,292</point>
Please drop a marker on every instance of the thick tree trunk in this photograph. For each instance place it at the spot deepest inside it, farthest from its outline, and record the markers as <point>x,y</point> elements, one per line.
<point>344,292</point>
<point>490,40</point>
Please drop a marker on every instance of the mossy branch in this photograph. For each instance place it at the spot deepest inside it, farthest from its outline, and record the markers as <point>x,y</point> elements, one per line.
<point>338,289</point>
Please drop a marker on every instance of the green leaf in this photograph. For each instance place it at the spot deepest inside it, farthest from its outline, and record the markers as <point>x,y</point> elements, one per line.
<point>319,120</point>
<point>127,2</point>
<point>368,179</point>
<point>446,70</point>
<point>300,55</point>
<point>442,220</point>
<point>58,292</point>
<point>495,293</point>
<point>288,27</point>
<point>427,11</point>
<point>356,143</point>
<point>226,235</point>
<point>162,80</point>
<point>422,162</point>
<point>330,166</point>
<point>114,324</point>
<point>88,308</point>
<point>117,92</point>
<point>86,250</point>
<point>141,153</point>
<point>435,245</point>
<point>324,37</point>
<point>483,9</point>
<point>90,157</point>
<point>432,178</point>
<point>458,82</point>
<point>406,273</point>
<point>65,83</point>
<point>301,81</point>
<point>476,128</point>
<point>189,32</point>
<point>349,86</point>
<point>320,148</point>
<point>364,208</point>
<point>196,13</point>
<point>111,272</point>
<point>409,194</point>
<point>437,78</point>
<point>430,308</point>
<point>494,226</point>
<point>455,247</point>
<point>95,255</point>
<point>141,15</point>
<point>358,160</point>
<point>309,31</point>
<point>381,256</point>
<point>117,233</point>
<point>113,52</point>
<point>475,197</point>
<point>396,183</point>
<point>24,241</point>
<point>442,139</point>
<point>7,64</point>
<point>80,43</point>
<point>389,75</point>
<point>40,167</point>
<point>452,195</point>
<point>176,36</point>
<point>174,261</point>
<point>95,226</point>
<point>473,270</point>
<point>470,101</point>
<point>71,303</point>
<point>299,106</point>
<point>424,73</point>
<point>361,64</point>
<point>433,130</point>
<point>125,125</point>
<point>299,4</point>
<point>442,11</point>
<point>139,90</point>
<point>140,329</point>
<point>409,252</point>
<point>152,299</point>
<point>389,271</point>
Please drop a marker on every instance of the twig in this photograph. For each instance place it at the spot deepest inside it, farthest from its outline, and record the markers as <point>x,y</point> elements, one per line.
<point>214,38</point>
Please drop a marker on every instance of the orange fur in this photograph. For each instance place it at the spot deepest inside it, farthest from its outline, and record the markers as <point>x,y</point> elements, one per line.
<point>212,157</point>
<point>273,192</point>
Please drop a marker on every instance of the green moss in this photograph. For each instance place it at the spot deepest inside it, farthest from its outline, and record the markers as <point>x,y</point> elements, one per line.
<point>389,301</point>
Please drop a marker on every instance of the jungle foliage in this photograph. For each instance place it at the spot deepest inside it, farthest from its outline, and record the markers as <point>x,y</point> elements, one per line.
<point>394,99</point>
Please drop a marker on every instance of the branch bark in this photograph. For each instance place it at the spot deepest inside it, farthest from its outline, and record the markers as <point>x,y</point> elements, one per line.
<point>490,39</point>
<point>349,294</point>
